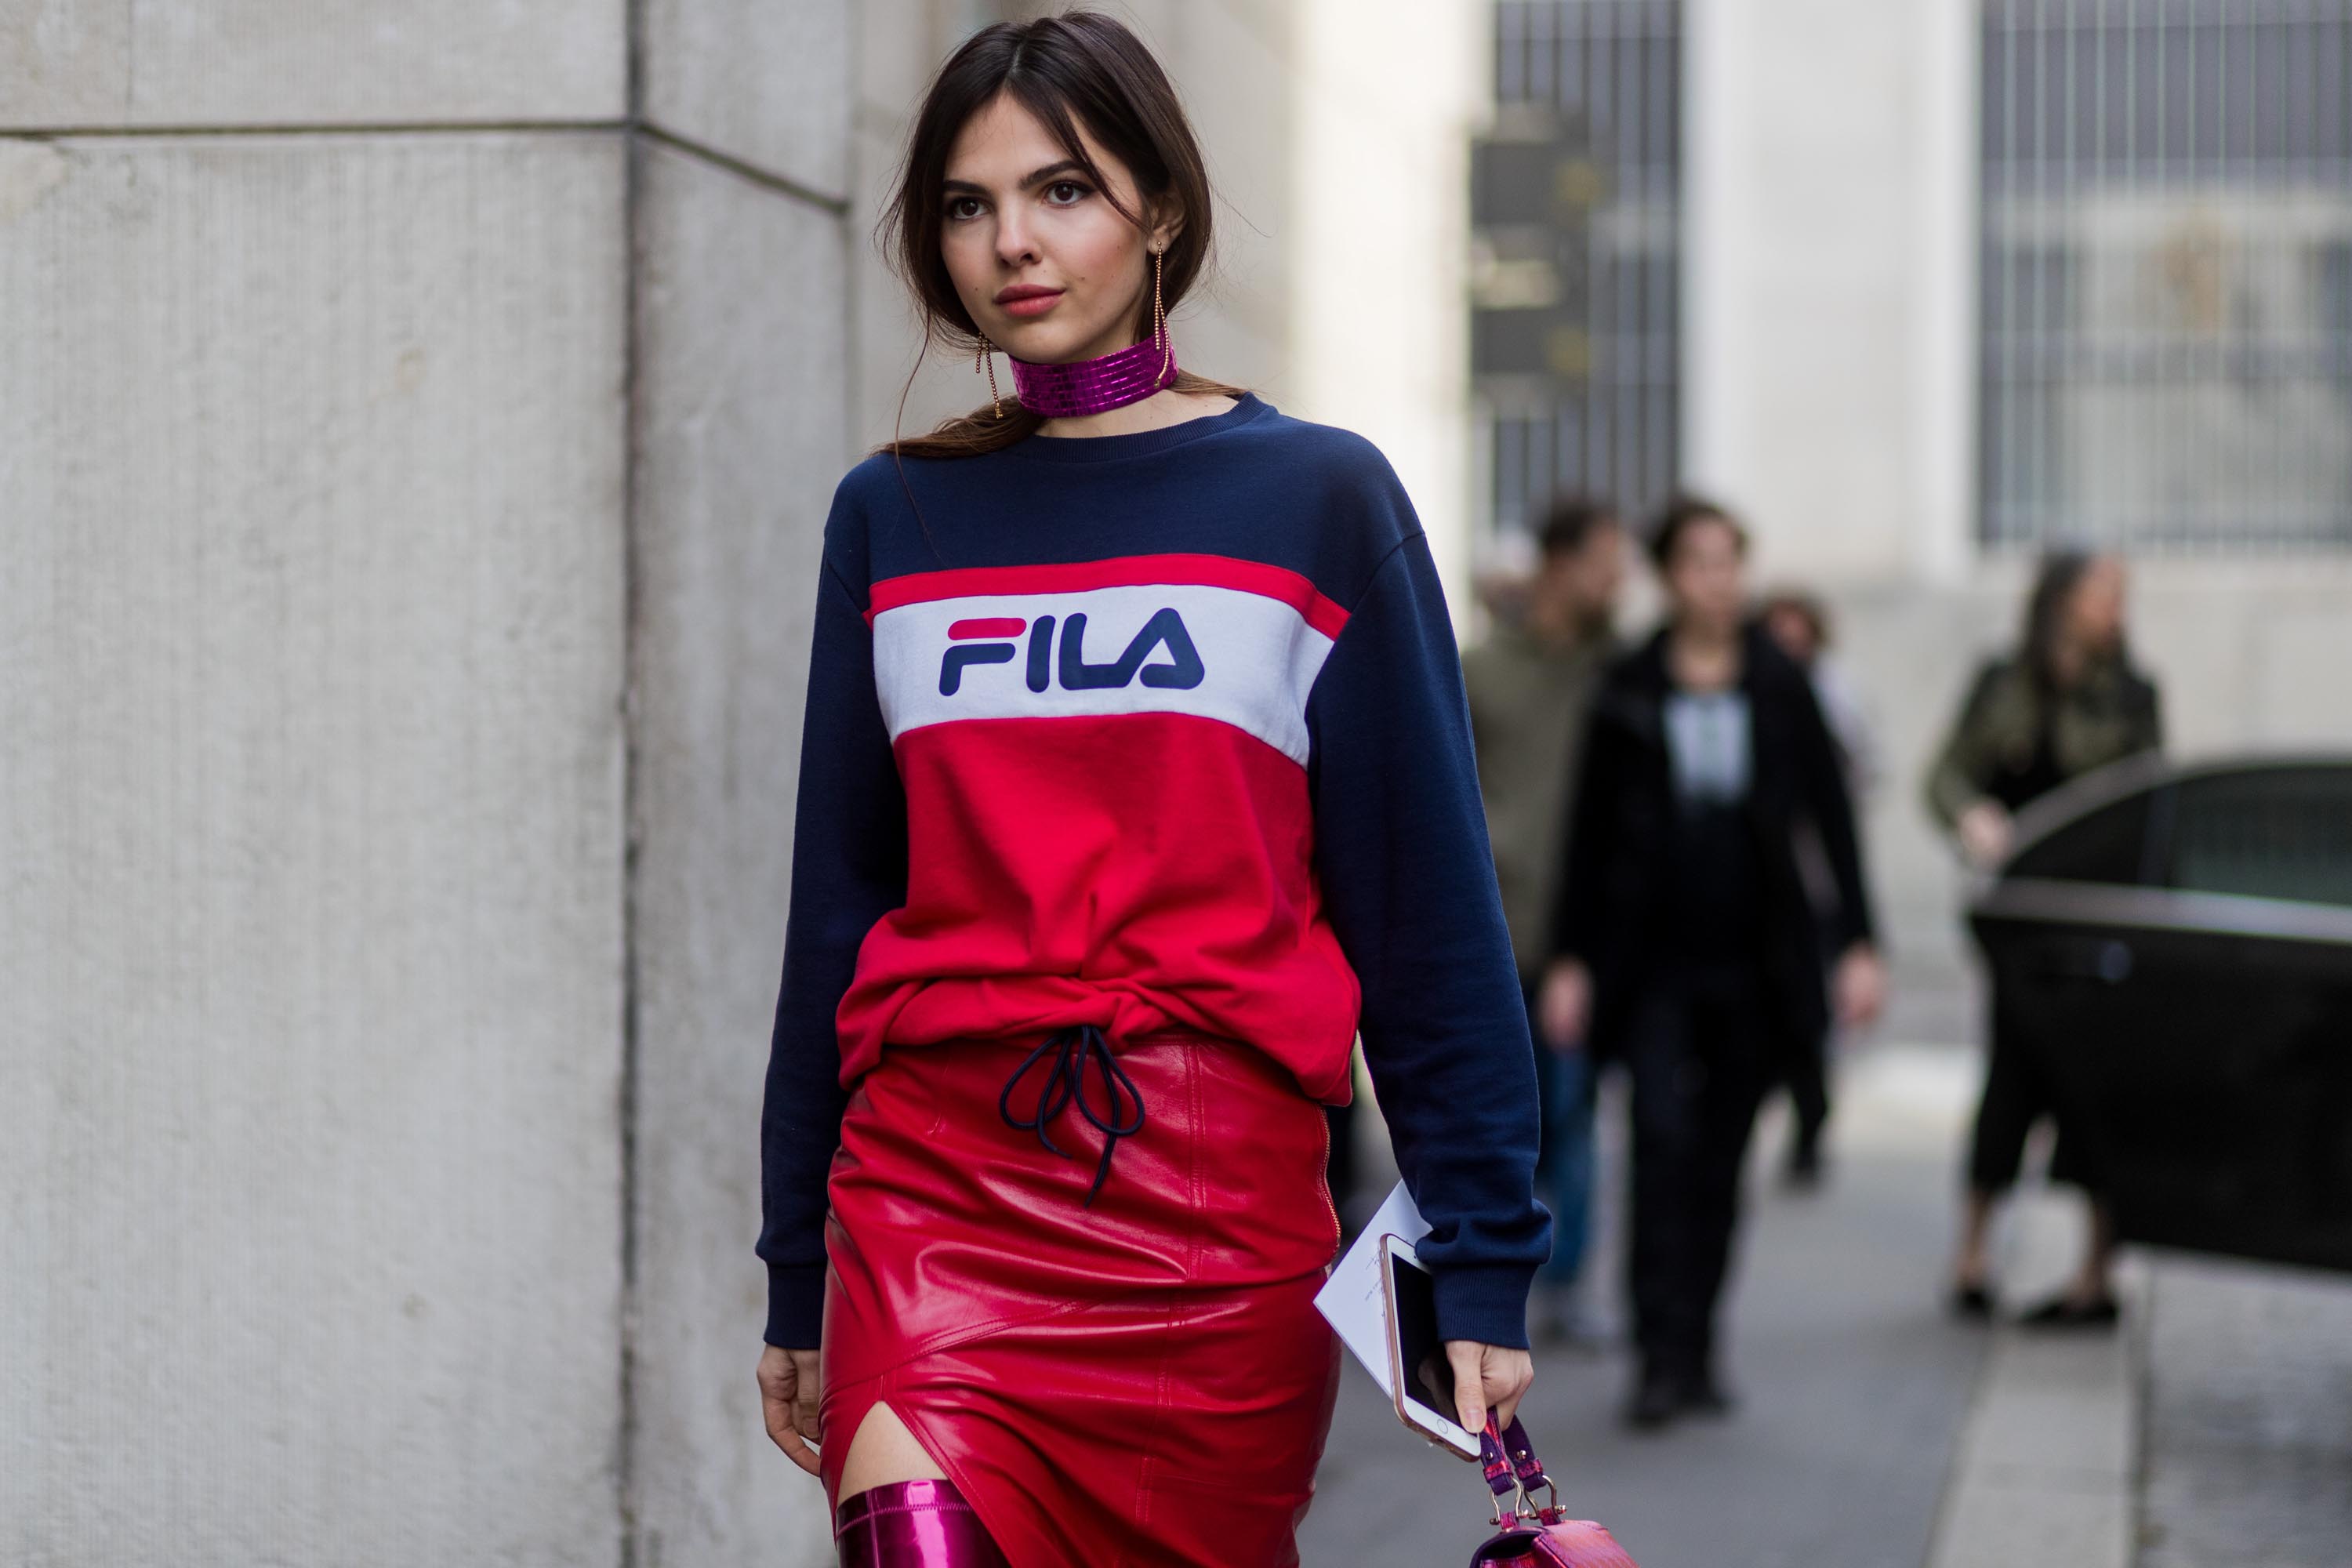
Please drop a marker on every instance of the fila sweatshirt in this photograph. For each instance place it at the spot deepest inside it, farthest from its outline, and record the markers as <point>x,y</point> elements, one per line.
<point>1149,731</point>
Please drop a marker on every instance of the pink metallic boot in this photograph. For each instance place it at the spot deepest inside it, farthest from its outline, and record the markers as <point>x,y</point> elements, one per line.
<point>912,1524</point>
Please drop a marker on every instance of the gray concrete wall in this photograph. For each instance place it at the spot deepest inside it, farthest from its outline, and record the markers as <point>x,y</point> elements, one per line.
<point>412,459</point>
<point>311,812</point>
<point>763,82</point>
<point>742,430</point>
<point>117,64</point>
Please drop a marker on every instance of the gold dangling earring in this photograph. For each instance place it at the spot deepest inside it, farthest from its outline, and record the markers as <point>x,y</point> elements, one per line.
<point>979,357</point>
<point>1159,318</point>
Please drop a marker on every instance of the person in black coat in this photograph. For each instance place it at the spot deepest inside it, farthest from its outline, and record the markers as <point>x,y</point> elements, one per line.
<point>1683,941</point>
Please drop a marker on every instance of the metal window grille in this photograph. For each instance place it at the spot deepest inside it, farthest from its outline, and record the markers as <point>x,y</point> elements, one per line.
<point>1575,307</point>
<point>2167,327</point>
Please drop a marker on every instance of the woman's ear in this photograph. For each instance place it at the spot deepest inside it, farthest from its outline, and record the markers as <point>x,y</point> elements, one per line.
<point>1166,225</point>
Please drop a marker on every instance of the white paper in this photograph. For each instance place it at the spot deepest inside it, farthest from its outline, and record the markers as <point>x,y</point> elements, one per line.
<point>1352,1300</point>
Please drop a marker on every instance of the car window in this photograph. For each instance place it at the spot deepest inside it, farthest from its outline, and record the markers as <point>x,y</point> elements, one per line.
<point>2104,845</point>
<point>2268,833</point>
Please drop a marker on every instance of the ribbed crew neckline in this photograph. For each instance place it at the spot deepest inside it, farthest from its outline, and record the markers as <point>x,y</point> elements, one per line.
<point>1141,443</point>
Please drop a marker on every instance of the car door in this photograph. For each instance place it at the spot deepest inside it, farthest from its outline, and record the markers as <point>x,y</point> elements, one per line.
<point>2195,1007</point>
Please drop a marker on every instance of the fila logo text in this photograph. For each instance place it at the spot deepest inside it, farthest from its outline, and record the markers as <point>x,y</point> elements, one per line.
<point>988,641</point>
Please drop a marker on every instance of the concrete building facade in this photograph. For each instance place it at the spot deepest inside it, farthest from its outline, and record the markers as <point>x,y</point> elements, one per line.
<point>1834,278</point>
<point>1833,373</point>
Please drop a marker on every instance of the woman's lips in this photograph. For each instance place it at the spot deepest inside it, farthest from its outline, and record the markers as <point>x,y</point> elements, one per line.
<point>1028,305</point>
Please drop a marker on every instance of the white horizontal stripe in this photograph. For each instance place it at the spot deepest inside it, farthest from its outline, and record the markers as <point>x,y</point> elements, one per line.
<point>1259,660</point>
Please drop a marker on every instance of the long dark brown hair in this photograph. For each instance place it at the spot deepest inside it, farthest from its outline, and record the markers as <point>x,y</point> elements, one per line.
<point>2061,572</point>
<point>1077,68</point>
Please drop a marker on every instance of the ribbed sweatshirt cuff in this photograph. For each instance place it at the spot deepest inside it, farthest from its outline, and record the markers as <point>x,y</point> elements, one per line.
<point>1486,1302</point>
<point>795,1305</point>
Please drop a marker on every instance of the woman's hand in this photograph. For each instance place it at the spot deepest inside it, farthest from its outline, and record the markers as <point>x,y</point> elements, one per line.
<point>1488,1377</point>
<point>1564,1006</point>
<point>788,1385</point>
<point>1986,835</point>
<point>1858,989</point>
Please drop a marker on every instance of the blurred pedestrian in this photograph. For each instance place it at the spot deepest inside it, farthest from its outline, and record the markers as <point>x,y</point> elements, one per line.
<point>1530,683</point>
<point>1799,623</point>
<point>2068,702</point>
<point>1684,941</point>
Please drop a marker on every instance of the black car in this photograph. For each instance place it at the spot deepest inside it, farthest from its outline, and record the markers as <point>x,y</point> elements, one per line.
<point>2176,942</point>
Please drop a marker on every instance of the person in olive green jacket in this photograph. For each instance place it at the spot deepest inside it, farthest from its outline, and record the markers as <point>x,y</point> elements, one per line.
<point>2069,701</point>
<point>1530,683</point>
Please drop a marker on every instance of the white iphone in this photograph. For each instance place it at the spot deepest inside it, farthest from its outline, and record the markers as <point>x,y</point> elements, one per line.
<point>1419,1373</point>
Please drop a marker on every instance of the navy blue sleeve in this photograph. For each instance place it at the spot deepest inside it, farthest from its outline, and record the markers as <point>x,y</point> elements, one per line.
<point>1408,881</point>
<point>849,869</point>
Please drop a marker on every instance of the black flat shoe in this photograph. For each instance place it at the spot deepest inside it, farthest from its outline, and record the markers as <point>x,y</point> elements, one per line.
<point>1700,1394</point>
<point>1657,1401</point>
<point>1972,1302</point>
<point>2063,1312</point>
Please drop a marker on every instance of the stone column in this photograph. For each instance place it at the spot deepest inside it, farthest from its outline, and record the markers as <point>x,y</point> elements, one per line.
<point>1827,369</point>
<point>416,425</point>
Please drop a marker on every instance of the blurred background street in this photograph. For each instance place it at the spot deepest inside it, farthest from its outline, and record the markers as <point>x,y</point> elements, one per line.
<point>1855,1386</point>
<point>417,423</point>
<point>1873,1429</point>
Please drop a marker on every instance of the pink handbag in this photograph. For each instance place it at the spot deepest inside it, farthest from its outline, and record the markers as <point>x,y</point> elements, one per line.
<point>1532,1536</point>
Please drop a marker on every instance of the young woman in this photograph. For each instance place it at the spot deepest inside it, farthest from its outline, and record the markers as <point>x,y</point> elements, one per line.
<point>2067,702</point>
<point>1686,944</point>
<point>1136,778</point>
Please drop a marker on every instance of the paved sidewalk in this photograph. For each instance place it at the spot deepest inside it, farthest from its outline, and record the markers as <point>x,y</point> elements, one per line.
<point>2046,1465</point>
<point>1856,1386</point>
<point>2248,1446</point>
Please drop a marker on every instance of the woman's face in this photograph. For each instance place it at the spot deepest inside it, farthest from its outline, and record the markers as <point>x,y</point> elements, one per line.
<point>2094,613</point>
<point>1706,576</point>
<point>1047,267</point>
<point>1792,629</point>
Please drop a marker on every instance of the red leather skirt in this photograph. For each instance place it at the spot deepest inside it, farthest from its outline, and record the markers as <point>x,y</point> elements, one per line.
<point>1144,1380</point>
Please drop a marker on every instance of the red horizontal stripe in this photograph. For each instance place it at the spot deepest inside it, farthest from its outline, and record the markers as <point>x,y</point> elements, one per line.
<point>1121,572</point>
<point>987,626</point>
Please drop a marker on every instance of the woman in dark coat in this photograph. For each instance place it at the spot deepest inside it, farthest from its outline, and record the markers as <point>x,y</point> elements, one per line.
<point>1685,941</point>
<point>2067,702</point>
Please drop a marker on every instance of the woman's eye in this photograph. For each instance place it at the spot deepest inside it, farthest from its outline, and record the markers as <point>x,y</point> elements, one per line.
<point>961,208</point>
<point>1063,193</point>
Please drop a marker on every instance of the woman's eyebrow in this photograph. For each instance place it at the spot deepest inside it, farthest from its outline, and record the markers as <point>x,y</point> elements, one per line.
<point>1035,177</point>
<point>1029,180</point>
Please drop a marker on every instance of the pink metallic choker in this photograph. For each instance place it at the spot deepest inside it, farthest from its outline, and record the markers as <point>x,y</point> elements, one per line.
<point>1095,386</point>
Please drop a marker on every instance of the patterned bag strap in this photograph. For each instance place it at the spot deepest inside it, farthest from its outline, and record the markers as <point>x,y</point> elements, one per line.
<point>1528,1536</point>
<point>1508,1456</point>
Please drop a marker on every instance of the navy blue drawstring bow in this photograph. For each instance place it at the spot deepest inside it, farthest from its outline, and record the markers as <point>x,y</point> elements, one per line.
<point>1066,1083</point>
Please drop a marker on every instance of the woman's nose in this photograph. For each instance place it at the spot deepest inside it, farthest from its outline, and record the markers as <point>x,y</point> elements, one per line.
<point>1014,244</point>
